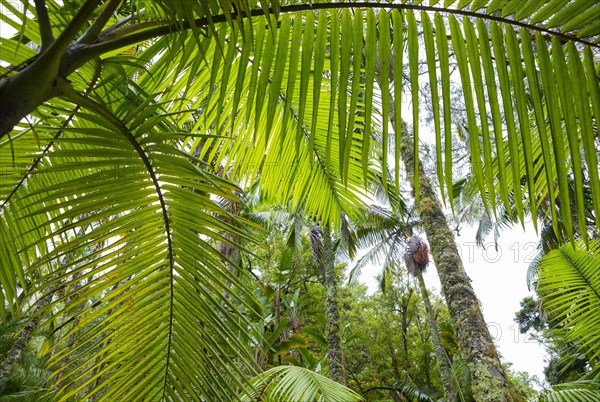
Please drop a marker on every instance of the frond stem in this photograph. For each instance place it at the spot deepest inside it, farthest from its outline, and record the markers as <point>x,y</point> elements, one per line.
<point>91,104</point>
<point>585,277</point>
<point>39,158</point>
<point>92,32</point>
<point>100,48</point>
<point>44,24</point>
<point>71,30</point>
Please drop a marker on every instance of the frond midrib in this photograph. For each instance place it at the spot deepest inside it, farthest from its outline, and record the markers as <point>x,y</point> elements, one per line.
<point>137,37</point>
<point>117,123</point>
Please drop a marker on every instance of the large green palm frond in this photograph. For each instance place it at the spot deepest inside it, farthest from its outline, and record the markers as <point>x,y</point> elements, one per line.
<point>110,175</point>
<point>118,211</point>
<point>249,110</point>
<point>569,284</point>
<point>382,233</point>
<point>575,391</point>
<point>292,383</point>
<point>256,134</point>
<point>337,46</point>
<point>347,46</point>
<point>541,177</point>
<point>541,96</point>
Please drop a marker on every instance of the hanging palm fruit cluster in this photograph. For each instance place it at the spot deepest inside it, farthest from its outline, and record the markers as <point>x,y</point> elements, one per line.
<point>416,255</point>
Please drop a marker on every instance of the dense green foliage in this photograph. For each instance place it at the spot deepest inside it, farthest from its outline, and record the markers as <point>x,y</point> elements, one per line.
<point>162,163</point>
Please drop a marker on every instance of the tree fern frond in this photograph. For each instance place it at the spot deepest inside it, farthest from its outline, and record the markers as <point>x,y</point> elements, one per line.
<point>569,282</point>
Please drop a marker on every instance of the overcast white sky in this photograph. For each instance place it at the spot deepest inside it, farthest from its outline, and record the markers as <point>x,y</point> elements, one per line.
<point>499,280</point>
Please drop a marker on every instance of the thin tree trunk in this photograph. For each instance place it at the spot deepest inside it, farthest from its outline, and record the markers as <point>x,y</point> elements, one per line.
<point>16,351</point>
<point>322,249</point>
<point>335,356</point>
<point>489,383</point>
<point>440,353</point>
<point>232,253</point>
<point>395,370</point>
<point>405,322</point>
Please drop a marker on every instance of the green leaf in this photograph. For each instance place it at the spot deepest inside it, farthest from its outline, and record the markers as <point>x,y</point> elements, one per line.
<point>513,146</point>
<point>461,57</point>
<point>536,94</point>
<point>570,287</point>
<point>515,60</point>
<point>435,102</point>
<point>473,56</point>
<point>442,46</point>
<point>384,86</point>
<point>413,58</point>
<point>370,62</point>
<point>398,74</point>
<point>305,74</point>
<point>567,105</point>
<point>581,98</point>
<point>291,383</point>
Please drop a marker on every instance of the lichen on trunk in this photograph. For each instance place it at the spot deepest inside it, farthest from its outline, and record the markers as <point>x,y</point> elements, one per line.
<point>489,383</point>
<point>323,253</point>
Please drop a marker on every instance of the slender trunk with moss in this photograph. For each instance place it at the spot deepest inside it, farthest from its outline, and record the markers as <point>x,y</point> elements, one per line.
<point>322,248</point>
<point>440,353</point>
<point>335,355</point>
<point>13,356</point>
<point>489,383</point>
<point>404,304</point>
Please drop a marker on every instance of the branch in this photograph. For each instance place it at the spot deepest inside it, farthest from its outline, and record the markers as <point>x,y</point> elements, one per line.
<point>44,24</point>
<point>50,144</point>
<point>92,32</point>
<point>381,388</point>
<point>71,30</point>
<point>122,21</point>
<point>114,33</point>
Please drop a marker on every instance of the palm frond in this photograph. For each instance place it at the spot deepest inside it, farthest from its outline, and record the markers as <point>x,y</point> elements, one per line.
<point>154,293</point>
<point>409,390</point>
<point>575,391</point>
<point>292,383</point>
<point>236,33</point>
<point>569,285</point>
<point>111,160</point>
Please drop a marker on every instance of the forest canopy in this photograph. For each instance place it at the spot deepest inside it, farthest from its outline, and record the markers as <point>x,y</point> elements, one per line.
<point>186,188</point>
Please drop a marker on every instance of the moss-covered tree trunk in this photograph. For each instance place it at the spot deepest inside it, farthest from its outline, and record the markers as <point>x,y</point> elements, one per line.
<point>335,355</point>
<point>323,253</point>
<point>440,353</point>
<point>489,382</point>
<point>13,356</point>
